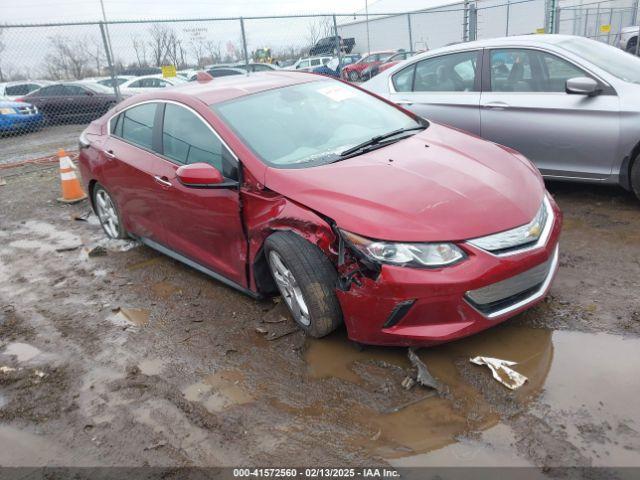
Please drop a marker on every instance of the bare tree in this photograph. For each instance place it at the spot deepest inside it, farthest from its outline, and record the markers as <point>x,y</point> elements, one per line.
<point>158,43</point>
<point>140,47</point>
<point>95,50</point>
<point>214,50</point>
<point>68,59</point>
<point>319,28</point>
<point>199,49</point>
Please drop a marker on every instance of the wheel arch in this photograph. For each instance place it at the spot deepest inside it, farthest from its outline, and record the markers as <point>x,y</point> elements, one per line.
<point>289,217</point>
<point>624,176</point>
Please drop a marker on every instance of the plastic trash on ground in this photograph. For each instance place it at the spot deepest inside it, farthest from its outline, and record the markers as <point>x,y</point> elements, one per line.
<point>501,371</point>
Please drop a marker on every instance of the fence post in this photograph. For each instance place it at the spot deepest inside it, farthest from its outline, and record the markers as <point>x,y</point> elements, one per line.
<point>410,32</point>
<point>506,33</point>
<point>586,22</point>
<point>337,40</point>
<point>556,21</point>
<point>473,22</point>
<point>244,43</point>
<point>107,51</point>
<point>610,22</point>
<point>634,13</point>
<point>465,21</point>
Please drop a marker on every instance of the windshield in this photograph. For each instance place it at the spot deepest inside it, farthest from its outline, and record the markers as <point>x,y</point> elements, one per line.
<point>612,60</point>
<point>311,123</point>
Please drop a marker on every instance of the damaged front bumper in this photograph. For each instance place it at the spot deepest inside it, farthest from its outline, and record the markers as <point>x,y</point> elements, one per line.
<point>421,307</point>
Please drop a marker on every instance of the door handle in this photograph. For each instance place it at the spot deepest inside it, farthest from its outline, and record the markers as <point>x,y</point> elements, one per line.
<point>109,154</point>
<point>164,181</point>
<point>404,102</point>
<point>496,105</point>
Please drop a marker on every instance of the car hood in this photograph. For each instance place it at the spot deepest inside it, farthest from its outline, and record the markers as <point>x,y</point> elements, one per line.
<point>439,185</point>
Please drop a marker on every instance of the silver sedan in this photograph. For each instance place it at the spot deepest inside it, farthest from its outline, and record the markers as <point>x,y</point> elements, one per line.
<point>570,104</point>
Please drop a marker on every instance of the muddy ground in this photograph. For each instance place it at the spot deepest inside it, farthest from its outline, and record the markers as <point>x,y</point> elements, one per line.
<point>129,358</point>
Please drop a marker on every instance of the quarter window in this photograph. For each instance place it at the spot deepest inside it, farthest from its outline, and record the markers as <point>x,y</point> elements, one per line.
<point>403,80</point>
<point>447,73</point>
<point>136,125</point>
<point>186,139</point>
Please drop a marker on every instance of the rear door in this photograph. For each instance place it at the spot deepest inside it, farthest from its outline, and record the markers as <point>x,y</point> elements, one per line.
<point>445,88</point>
<point>130,169</point>
<point>524,106</point>
<point>203,224</point>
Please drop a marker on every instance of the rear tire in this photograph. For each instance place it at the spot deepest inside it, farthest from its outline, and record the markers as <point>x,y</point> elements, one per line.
<point>631,45</point>
<point>635,177</point>
<point>353,76</point>
<point>306,279</point>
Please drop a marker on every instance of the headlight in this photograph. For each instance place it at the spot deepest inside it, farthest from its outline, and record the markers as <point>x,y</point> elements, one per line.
<point>405,254</point>
<point>7,111</point>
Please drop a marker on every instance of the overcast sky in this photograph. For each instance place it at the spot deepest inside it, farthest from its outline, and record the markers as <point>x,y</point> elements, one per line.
<point>38,11</point>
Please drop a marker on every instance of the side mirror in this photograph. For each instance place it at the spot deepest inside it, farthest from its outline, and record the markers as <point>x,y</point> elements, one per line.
<point>582,86</point>
<point>199,175</point>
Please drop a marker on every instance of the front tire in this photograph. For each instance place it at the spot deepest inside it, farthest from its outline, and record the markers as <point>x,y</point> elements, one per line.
<point>108,213</point>
<point>306,280</point>
<point>635,177</point>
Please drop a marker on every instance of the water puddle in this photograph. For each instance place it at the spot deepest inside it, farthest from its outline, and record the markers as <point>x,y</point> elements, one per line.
<point>586,382</point>
<point>22,351</point>
<point>165,289</point>
<point>151,366</point>
<point>131,316</point>
<point>143,264</point>
<point>219,391</point>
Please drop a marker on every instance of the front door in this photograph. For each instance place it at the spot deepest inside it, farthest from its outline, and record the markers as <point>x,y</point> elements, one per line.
<point>445,89</point>
<point>202,224</point>
<point>524,106</point>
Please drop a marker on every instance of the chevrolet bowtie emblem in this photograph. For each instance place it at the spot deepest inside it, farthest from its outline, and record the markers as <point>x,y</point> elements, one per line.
<point>534,231</point>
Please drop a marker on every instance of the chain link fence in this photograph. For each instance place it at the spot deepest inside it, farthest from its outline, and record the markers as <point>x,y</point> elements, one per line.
<point>55,78</point>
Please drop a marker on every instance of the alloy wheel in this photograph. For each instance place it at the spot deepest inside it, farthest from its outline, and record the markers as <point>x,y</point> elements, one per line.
<point>107,214</point>
<point>289,288</point>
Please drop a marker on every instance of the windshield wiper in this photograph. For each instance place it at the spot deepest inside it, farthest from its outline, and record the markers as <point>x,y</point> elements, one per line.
<point>379,138</point>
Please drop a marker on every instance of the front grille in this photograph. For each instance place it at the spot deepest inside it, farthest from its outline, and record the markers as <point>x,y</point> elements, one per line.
<point>499,297</point>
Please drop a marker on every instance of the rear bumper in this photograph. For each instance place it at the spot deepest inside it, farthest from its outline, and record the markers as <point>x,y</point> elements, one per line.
<point>417,307</point>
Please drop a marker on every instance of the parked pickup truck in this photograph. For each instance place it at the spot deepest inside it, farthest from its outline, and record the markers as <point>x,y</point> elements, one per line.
<point>327,46</point>
<point>629,39</point>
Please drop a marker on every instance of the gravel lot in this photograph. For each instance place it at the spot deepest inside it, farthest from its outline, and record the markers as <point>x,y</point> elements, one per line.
<point>129,358</point>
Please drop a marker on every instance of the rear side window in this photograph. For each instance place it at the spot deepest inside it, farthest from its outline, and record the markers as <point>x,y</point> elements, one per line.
<point>135,125</point>
<point>21,89</point>
<point>186,139</point>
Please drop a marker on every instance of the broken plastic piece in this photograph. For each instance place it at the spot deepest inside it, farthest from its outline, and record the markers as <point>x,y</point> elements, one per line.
<point>501,371</point>
<point>424,378</point>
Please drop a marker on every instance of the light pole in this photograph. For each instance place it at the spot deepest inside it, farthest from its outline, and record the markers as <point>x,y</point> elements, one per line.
<point>366,13</point>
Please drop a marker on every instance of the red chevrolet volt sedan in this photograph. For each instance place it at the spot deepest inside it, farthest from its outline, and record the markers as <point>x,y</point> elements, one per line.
<point>354,209</point>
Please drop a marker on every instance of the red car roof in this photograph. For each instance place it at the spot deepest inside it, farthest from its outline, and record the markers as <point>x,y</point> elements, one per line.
<point>225,88</point>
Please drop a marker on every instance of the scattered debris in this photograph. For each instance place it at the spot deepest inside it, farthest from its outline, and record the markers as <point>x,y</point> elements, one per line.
<point>276,335</point>
<point>155,446</point>
<point>423,377</point>
<point>3,182</point>
<point>39,373</point>
<point>97,251</point>
<point>408,383</point>
<point>83,217</point>
<point>8,308</point>
<point>5,369</point>
<point>402,406</point>
<point>68,249</point>
<point>501,371</point>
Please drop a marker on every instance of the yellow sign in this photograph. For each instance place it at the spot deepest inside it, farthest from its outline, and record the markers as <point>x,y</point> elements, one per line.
<point>540,30</point>
<point>168,71</point>
<point>605,28</point>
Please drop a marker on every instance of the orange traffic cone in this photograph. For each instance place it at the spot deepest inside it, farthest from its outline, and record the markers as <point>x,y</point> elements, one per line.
<point>71,189</point>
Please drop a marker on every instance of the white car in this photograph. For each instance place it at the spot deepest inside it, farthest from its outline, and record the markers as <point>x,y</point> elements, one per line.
<point>309,63</point>
<point>629,39</point>
<point>148,83</point>
<point>17,89</point>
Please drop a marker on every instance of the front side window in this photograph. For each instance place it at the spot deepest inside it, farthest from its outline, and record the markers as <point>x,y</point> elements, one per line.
<point>186,139</point>
<point>136,124</point>
<point>525,70</point>
<point>75,90</point>
<point>447,73</point>
<point>288,127</point>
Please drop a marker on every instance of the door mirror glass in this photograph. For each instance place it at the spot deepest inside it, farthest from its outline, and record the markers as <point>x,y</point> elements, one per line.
<point>199,175</point>
<point>582,86</point>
